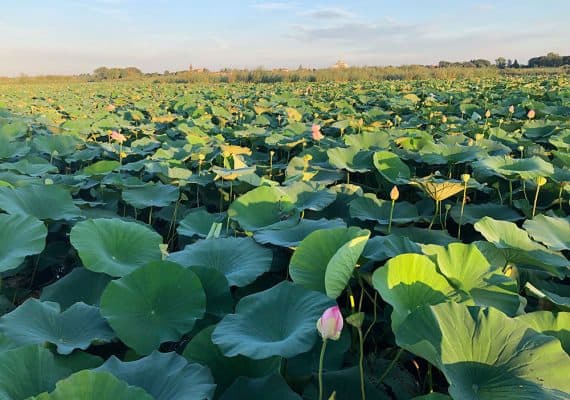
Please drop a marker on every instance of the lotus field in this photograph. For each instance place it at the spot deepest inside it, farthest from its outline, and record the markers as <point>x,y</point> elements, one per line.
<point>379,240</point>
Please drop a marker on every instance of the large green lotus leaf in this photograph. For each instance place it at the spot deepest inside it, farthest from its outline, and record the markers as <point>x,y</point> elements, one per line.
<point>486,355</point>
<point>325,259</point>
<point>351,159</point>
<point>260,207</point>
<point>37,322</point>
<point>11,150</point>
<point>553,232</point>
<point>409,281</point>
<point>27,371</point>
<point>290,236</point>
<point>279,321</point>
<point>474,212</point>
<point>113,246</point>
<point>552,324</point>
<point>151,195</point>
<point>163,300</point>
<point>422,235</point>
<point>469,271</point>
<point>13,129</point>
<point>226,369</point>
<point>369,207</point>
<point>556,293</point>
<point>22,236</point>
<point>198,222</point>
<point>94,385</point>
<point>391,167</point>
<point>51,202</point>
<point>539,129</point>
<point>30,166</point>
<point>166,376</point>
<point>520,249</point>
<point>273,386</point>
<point>102,167</point>
<point>514,168</point>
<point>381,248</point>
<point>309,195</point>
<point>79,285</point>
<point>241,260</point>
<point>368,140</point>
<point>58,145</point>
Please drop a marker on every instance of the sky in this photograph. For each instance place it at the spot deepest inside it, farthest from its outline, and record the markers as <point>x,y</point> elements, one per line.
<point>77,36</point>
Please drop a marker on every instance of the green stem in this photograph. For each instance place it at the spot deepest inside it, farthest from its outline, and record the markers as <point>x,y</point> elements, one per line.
<point>394,361</point>
<point>391,214</point>
<point>524,189</point>
<point>510,192</point>
<point>560,196</point>
<point>434,215</point>
<point>150,216</point>
<point>461,213</point>
<point>361,364</point>
<point>535,200</point>
<point>321,360</point>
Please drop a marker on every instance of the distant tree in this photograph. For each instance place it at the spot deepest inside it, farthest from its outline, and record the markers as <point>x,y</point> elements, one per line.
<point>444,64</point>
<point>516,64</point>
<point>509,63</point>
<point>481,63</point>
<point>501,62</point>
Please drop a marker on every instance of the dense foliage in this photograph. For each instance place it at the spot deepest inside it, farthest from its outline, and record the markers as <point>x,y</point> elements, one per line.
<point>174,241</point>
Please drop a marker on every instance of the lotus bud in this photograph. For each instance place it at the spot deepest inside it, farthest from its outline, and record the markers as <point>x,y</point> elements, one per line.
<point>330,324</point>
<point>394,193</point>
<point>488,114</point>
<point>541,181</point>
<point>479,136</point>
<point>118,137</point>
<point>470,142</point>
<point>201,157</point>
<point>520,148</point>
<point>316,133</point>
<point>272,153</point>
<point>531,114</point>
<point>226,154</point>
<point>447,207</point>
<point>308,157</point>
<point>511,109</point>
<point>443,119</point>
<point>465,178</point>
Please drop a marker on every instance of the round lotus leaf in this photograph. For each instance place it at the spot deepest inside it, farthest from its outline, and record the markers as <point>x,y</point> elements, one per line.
<point>33,370</point>
<point>226,369</point>
<point>553,232</point>
<point>325,259</point>
<point>51,202</point>
<point>79,285</point>
<point>291,236</point>
<point>381,248</point>
<point>151,195</point>
<point>309,195</point>
<point>369,207</point>
<point>37,322</point>
<point>102,167</point>
<point>409,281</point>
<point>94,385</point>
<point>166,376</point>
<point>241,260</point>
<point>474,212</point>
<point>486,355</point>
<point>161,299</point>
<point>279,321</point>
<point>391,167</point>
<point>113,246</point>
<point>22,236</point>
<point>198,222</point>
<point>551,324</point>
<point>260,207</point>
<point>257,388</point>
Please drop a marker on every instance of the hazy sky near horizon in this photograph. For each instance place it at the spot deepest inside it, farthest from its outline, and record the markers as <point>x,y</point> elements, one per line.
<point>77,36</point>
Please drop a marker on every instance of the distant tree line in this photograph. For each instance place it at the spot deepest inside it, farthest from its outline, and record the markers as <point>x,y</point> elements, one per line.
<point>104,73</point>
<point>549,60</point>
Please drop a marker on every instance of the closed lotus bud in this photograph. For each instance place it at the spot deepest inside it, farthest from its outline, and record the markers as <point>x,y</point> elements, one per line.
<point>512,109</point>
<point>520,148</point>
<point>330,324</point>
<point>308,157</point>
<point>394,193</point>
<point>487,113</point>
<point>479,136</point>
<point>470,142</point>
<point>531,114</point>
<point>444,119</point>
<point>465,178</point>
<point>541,181</point>
<point>226,154</point>
<point>201,157</point>
<point>271,153</point>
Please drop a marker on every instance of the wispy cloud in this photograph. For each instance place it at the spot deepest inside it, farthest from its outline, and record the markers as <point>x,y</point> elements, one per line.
<point>273,6</point>
<point>328,13</point>
<point>483,7</point>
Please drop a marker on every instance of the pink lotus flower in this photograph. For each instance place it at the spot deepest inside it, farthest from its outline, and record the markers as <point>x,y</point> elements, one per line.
<point>330,324</point>
<point>118,137</point>
<point>316,133</point>
<point>531,114</point>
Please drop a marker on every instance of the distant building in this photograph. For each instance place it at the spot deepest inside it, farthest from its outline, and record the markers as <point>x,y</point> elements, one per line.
<point>340,64</point>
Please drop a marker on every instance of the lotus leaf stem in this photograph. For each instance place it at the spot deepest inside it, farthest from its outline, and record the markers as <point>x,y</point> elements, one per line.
<point>462,209</point>
<point>394,361</point>
<point>321,360</point>
<point>535,200</point>
<point>391,215</point>
<point>361,364</point>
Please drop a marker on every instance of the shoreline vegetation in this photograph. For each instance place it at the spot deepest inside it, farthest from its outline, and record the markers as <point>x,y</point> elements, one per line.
<point>260,75</point>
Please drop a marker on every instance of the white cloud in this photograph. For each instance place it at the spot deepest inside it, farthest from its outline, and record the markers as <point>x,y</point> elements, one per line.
<point>328,13</point>
<point>272,6</point>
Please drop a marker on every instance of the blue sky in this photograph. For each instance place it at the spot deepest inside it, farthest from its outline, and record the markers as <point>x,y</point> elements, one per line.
<point>75,36</point>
